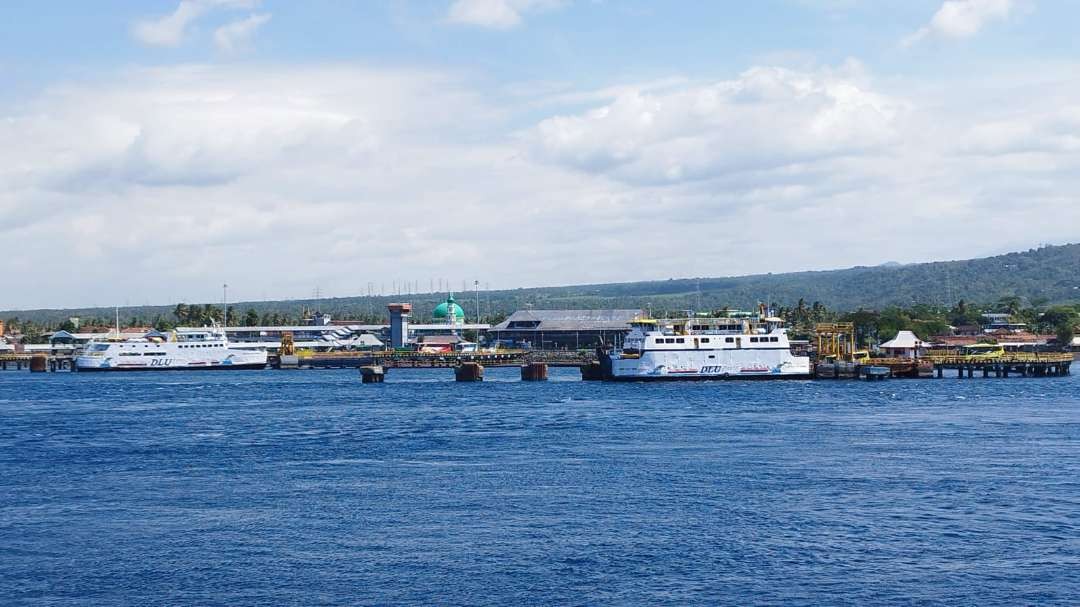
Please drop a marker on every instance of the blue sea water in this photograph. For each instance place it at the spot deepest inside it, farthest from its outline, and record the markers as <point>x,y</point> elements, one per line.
<point>296,488</point>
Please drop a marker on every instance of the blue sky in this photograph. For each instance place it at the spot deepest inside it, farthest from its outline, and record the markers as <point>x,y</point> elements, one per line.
<point>164,147</point>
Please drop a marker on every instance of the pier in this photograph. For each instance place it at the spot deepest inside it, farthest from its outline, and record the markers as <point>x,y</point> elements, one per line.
<point>935,365</point>
<point>1017,364</point>
<point>37,362</point>
<point>395,359</point>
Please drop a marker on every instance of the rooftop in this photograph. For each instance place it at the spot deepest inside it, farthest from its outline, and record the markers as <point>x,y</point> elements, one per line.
<point>568,320</point>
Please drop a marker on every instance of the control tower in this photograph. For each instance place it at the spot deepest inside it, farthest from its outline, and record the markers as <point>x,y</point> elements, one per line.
<point>399,324</point>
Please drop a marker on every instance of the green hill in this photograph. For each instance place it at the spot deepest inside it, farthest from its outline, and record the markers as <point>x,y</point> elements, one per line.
<point>1046,275</point>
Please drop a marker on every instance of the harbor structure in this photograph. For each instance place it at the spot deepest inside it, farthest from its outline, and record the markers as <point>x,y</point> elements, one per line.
<point>905,345</point>
<point>564,329</point>
<point>995,321</point>
<point>317,338</point>
<point>399,324</point>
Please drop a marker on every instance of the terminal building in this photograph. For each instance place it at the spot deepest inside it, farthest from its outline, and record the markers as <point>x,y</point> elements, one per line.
<point>445,332</point>
<point>563,329</point>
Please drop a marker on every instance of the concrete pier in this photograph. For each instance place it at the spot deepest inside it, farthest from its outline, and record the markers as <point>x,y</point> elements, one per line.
<point>534,372</point>
<point>372,374</point>
<point>469,372</point>
<point>39,363</point>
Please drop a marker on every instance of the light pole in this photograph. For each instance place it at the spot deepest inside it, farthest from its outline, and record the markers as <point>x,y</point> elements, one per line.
<point>476,289</point>
<point>225,302</point>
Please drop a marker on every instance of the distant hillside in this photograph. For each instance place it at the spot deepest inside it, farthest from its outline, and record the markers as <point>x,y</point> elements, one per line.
<point>1049,274</point>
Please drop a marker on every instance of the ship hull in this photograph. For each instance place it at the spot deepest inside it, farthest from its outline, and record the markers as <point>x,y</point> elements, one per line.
<point>706,365</point>
<point>741,377</point>
<point>235,367</point>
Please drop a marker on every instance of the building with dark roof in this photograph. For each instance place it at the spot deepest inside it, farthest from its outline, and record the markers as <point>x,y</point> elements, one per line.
<point>564,329</point>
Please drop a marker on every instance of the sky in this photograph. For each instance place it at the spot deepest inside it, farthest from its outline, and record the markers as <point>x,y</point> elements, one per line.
<point>152,151</point>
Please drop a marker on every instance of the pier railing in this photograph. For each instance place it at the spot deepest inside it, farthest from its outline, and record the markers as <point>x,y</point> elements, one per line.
<point>1009,358</point>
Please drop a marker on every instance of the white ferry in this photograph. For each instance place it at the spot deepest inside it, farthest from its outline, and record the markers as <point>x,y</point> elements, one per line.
<point>700,348</point>
<point>183,349</point>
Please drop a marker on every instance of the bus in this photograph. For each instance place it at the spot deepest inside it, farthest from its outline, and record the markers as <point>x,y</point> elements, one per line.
<point>984,351</point>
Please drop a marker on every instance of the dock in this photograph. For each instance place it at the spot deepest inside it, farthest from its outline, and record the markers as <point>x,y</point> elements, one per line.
<point>392,359</point>
<point>37,362</point>
<point>1023,364</point>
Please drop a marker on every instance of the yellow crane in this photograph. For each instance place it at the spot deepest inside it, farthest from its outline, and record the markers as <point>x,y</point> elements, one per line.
<point>835,340</point>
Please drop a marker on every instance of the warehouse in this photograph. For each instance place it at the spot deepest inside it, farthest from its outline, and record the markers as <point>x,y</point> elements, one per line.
<point>563,329</point>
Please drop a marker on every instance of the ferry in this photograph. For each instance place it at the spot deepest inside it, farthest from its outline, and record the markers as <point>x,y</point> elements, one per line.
<point>705,348</point>
<point>179,350</point>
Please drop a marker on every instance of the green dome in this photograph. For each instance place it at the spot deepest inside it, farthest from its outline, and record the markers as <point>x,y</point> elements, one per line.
<point>442,311</point>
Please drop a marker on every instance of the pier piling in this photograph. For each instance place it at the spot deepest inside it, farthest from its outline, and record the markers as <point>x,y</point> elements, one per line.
<point>372,374</point>
<point>39,363</point>
<point>534,372</point>
<point>469,372</point>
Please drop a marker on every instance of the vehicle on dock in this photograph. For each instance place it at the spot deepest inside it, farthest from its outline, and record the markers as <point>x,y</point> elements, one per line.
<point>183,349</point>
<point>705,348</point>
<point>984,351</point>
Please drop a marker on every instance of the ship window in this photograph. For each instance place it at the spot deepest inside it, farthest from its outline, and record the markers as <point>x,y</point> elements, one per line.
<point>704,340</point>
<point>729,340</point>
<point>774,339</point>
<point>680,341</point>
<point>712,356</point>
<point>753,340</point>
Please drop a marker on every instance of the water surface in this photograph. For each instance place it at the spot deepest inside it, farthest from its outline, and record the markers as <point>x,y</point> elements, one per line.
<point>284,488</point>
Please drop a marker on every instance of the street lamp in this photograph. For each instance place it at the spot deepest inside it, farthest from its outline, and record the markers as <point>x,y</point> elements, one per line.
<point>476,289</point>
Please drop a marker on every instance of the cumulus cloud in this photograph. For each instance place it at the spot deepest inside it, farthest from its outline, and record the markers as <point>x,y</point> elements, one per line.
<point>495,14</point>
<point>766,118</point>
<point>962,19</point>
<point>172,29</point>
<point>237,35</point>
<point>279,178</point>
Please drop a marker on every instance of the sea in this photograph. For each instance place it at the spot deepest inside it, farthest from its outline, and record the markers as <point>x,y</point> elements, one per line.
<point>310,488</point>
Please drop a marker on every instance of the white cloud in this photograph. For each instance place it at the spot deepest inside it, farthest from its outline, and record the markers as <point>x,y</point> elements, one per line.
<point>767,118</point>
<point>237,35</point>
<point>496,14</point>
<point>962,19</point>
<point>172,29</point>
<point>277,178</point>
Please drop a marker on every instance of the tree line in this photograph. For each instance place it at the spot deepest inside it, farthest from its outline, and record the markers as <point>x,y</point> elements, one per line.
<point>871,326</point>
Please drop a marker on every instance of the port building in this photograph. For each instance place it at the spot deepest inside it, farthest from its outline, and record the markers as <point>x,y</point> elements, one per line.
<point>563,329</point>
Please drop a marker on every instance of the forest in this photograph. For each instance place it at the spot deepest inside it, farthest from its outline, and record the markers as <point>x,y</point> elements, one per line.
<point>1039,287</point>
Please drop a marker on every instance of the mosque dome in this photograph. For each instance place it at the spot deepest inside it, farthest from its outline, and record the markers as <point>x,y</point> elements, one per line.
<point>442,311</point>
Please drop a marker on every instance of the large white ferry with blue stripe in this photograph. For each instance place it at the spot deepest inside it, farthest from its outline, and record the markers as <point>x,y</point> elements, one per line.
<point>705,348</point>
<point>182,349</point>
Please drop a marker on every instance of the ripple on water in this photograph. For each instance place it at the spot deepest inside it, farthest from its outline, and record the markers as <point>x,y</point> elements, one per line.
<point>289,488</point>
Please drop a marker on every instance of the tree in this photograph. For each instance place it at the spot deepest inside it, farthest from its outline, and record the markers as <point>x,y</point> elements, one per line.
<point>1010,304</point>
<point>251,318</point>
<point>1065,333</point>
<point>1056,317</point>
<point>181,312</point>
